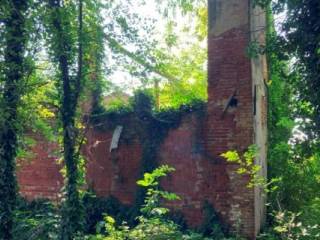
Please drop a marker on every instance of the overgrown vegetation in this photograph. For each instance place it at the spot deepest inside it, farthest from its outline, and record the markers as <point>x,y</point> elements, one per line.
<point>56,55</point>
<point>152,220</point>
<point>293,151</point>
<point>151,126</point>
<point>106,217</point>
<point>12,79</point>
<point>284,224</point>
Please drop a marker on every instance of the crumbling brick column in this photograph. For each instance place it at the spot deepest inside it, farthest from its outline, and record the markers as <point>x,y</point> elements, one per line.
<point>236,107</point>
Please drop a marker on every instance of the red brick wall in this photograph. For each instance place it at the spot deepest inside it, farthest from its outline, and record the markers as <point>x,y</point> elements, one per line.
<point>197,177</point>
<point>113,173</point>
<point>232,25</point>
<point>39,177</point>
<point>231,128</point>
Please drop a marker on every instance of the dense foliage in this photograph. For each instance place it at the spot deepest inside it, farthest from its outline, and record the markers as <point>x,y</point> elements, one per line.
<point>293,140</point>
<point>152,223</point>
<point>293,155</point>
<point>302,28</point>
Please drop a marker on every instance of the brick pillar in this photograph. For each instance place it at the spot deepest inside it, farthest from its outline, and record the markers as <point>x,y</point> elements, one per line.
<point>236,107</point>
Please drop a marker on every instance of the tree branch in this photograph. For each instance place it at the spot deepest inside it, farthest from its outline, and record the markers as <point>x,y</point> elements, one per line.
<point>138,59</point>
<point>78,83</point>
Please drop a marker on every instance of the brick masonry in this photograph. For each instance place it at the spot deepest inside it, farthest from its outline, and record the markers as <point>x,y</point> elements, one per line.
<point>193,148</point>
<point>39,177</point>
<point>233,25</point>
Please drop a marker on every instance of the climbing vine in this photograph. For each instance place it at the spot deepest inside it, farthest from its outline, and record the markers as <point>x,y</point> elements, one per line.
<point>152,127</point>
<point>15,41</point>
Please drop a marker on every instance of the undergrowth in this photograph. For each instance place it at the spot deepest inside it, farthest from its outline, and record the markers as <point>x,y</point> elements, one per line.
<point>106,218</point>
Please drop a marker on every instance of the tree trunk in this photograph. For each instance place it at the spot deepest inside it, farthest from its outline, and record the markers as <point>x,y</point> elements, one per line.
<point>15,41</point>
<point>71,87</point>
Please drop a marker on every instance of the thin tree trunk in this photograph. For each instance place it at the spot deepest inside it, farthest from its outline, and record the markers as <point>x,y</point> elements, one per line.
<point>71,212</point>
<point>15,38</point>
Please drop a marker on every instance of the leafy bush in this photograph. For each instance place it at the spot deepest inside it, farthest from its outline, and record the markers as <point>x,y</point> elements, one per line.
<point>287,226</point>
<point>37,220</point>
<point>152,223</point>
<point>95,207</point>
<point>247,165</point>
<point>118,105</point>
<point>41,220</point>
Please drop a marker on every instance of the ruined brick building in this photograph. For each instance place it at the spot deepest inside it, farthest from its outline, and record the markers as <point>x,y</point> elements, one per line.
<point>194,147</point>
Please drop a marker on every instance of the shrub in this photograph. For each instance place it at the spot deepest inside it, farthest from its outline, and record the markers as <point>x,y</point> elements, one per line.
<point>38,220</point>
<point>153,223</point>
<point>95,207</point>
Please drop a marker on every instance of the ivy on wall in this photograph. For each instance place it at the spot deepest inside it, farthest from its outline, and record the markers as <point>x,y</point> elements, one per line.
<point>151,128</point>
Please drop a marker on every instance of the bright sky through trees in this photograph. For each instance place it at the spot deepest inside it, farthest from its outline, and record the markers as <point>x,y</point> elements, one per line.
<point>149,13</point>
